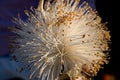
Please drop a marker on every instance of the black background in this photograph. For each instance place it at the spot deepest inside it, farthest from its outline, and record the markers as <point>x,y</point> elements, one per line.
<point>108,12</point>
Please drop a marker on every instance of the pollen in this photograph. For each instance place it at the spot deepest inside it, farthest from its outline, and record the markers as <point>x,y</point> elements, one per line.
<point>61,37</point>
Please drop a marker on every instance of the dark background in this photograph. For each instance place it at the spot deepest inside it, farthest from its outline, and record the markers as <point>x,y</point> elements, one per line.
<point>108,11</point>
<point>10,8</point>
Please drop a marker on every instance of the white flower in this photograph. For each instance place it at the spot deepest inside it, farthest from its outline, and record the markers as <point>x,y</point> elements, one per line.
<point>61,37</point>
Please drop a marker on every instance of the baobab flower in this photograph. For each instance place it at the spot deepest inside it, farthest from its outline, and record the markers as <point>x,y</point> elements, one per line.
<point>61,37</point>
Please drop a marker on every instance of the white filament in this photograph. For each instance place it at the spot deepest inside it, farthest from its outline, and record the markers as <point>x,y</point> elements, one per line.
<point>66,35</point>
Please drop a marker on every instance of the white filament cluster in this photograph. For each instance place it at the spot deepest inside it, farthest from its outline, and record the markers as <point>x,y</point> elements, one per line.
<point>62,37</point>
